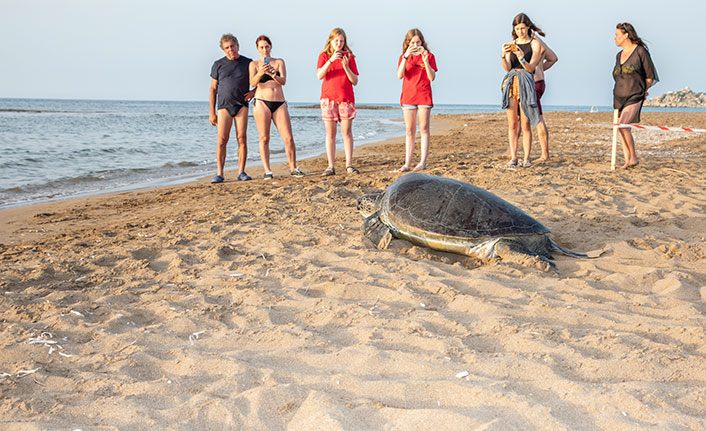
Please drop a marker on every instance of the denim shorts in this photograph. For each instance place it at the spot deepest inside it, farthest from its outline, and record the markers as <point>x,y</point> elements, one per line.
<point>416,106</point>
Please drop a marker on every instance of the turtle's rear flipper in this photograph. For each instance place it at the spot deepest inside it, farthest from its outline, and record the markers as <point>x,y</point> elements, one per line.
<point>556,247</point>
<point>589,255</point>
<point>514,251</point>
<point>377,232</point>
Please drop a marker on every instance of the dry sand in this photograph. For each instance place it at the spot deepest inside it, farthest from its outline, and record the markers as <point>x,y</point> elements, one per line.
<point>259,306</point>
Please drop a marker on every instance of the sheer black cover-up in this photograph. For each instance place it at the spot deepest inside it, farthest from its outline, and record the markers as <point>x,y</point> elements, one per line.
<point>630,81</point>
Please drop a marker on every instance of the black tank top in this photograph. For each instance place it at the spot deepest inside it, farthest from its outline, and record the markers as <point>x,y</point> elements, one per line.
<point>527,49</point>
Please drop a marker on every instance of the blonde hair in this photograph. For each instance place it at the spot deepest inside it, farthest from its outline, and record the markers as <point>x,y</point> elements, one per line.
<point>328,48</point>
<point>410,35</point>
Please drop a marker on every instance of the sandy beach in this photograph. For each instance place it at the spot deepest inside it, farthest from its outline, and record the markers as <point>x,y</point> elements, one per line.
<point>259,305</point>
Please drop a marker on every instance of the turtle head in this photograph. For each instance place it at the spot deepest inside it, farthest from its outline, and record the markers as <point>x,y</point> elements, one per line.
<point>369,204</point>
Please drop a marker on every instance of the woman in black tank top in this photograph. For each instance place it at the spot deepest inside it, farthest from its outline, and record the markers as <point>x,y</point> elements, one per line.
<point>523,53</point>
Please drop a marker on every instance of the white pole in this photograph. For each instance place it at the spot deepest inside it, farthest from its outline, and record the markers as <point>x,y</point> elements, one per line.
<point>615,140</point>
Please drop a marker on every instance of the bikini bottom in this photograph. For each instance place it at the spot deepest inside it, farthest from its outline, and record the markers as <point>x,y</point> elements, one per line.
<point>272,106</point>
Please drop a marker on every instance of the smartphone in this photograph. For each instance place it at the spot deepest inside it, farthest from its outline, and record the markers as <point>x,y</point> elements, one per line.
<point>417,50</point>
<point>266,60</point>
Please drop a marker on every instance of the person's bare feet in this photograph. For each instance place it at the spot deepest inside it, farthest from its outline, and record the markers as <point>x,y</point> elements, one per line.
<point>630,165</point>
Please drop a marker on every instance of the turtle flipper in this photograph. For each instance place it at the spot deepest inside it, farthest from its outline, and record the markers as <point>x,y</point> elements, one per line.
<point>510,250</point>
<point>589,255</point>
<point>377,232</point>
<point>556,247</point>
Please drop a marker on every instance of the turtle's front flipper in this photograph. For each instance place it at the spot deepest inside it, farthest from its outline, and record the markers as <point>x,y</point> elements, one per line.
<point>514,251</point>
<point>376,231</point>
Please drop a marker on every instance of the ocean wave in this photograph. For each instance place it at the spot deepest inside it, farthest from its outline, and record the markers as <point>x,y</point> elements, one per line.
<point>182,164</point>
<point>108,181</point>
<point>84,147</point>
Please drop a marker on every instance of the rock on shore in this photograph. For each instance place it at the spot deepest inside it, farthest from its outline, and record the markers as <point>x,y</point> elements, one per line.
<point>685,98</point>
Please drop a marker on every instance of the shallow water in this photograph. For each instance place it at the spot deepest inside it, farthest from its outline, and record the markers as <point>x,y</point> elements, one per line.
<point>55,149</point>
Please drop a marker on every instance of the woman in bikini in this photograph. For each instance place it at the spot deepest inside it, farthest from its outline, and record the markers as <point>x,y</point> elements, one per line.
<point>268,75</point>
<point>633,73</point>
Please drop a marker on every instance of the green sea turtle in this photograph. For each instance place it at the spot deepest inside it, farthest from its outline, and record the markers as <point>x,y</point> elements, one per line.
<point>453,216</point>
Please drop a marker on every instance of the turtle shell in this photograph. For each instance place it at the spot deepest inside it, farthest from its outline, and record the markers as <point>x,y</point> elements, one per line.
<point>451,208</point>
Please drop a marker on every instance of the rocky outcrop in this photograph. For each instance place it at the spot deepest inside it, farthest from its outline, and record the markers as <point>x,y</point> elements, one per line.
<point>679,99</point>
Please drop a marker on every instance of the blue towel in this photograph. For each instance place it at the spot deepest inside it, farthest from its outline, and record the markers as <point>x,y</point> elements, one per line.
<point>528,97</point>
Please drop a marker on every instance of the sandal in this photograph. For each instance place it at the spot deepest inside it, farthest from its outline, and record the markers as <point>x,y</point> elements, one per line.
<point>403,168</point>
<point>511,164</point>
<point>328,172</point>
<point>525,163</point>
<point>420,167</point>
<point>352,170</point>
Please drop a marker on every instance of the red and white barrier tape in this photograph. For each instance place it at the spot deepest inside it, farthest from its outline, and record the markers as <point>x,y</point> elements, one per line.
<point>668,129</point>
<point>617,126</point>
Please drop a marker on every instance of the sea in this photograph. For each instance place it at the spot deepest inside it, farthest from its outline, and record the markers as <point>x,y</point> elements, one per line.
<point>59,149</point>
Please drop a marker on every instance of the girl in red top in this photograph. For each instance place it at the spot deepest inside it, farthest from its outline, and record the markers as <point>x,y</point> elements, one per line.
<point>336,67</point>
<point>417,68</point>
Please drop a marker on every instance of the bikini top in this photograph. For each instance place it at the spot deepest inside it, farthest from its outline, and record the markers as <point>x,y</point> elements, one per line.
<point>267,77</point>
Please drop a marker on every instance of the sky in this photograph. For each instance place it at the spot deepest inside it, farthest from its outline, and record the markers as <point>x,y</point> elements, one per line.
<point>163,50</point>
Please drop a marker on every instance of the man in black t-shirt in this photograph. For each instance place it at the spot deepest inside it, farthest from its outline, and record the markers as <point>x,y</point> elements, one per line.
<point>230,84</point>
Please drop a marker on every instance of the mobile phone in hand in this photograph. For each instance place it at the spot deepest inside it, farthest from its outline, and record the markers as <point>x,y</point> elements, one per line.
<point>266,60</point>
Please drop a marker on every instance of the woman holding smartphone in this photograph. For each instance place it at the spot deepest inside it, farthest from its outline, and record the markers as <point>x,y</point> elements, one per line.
<point>520,58</point>
<point>416,68</point>
<point>337,69</point>
<point>268,75</point>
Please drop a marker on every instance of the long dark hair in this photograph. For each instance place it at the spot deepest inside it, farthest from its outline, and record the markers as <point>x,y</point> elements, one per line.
<point>632,34</point>
<point>522,18</point>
